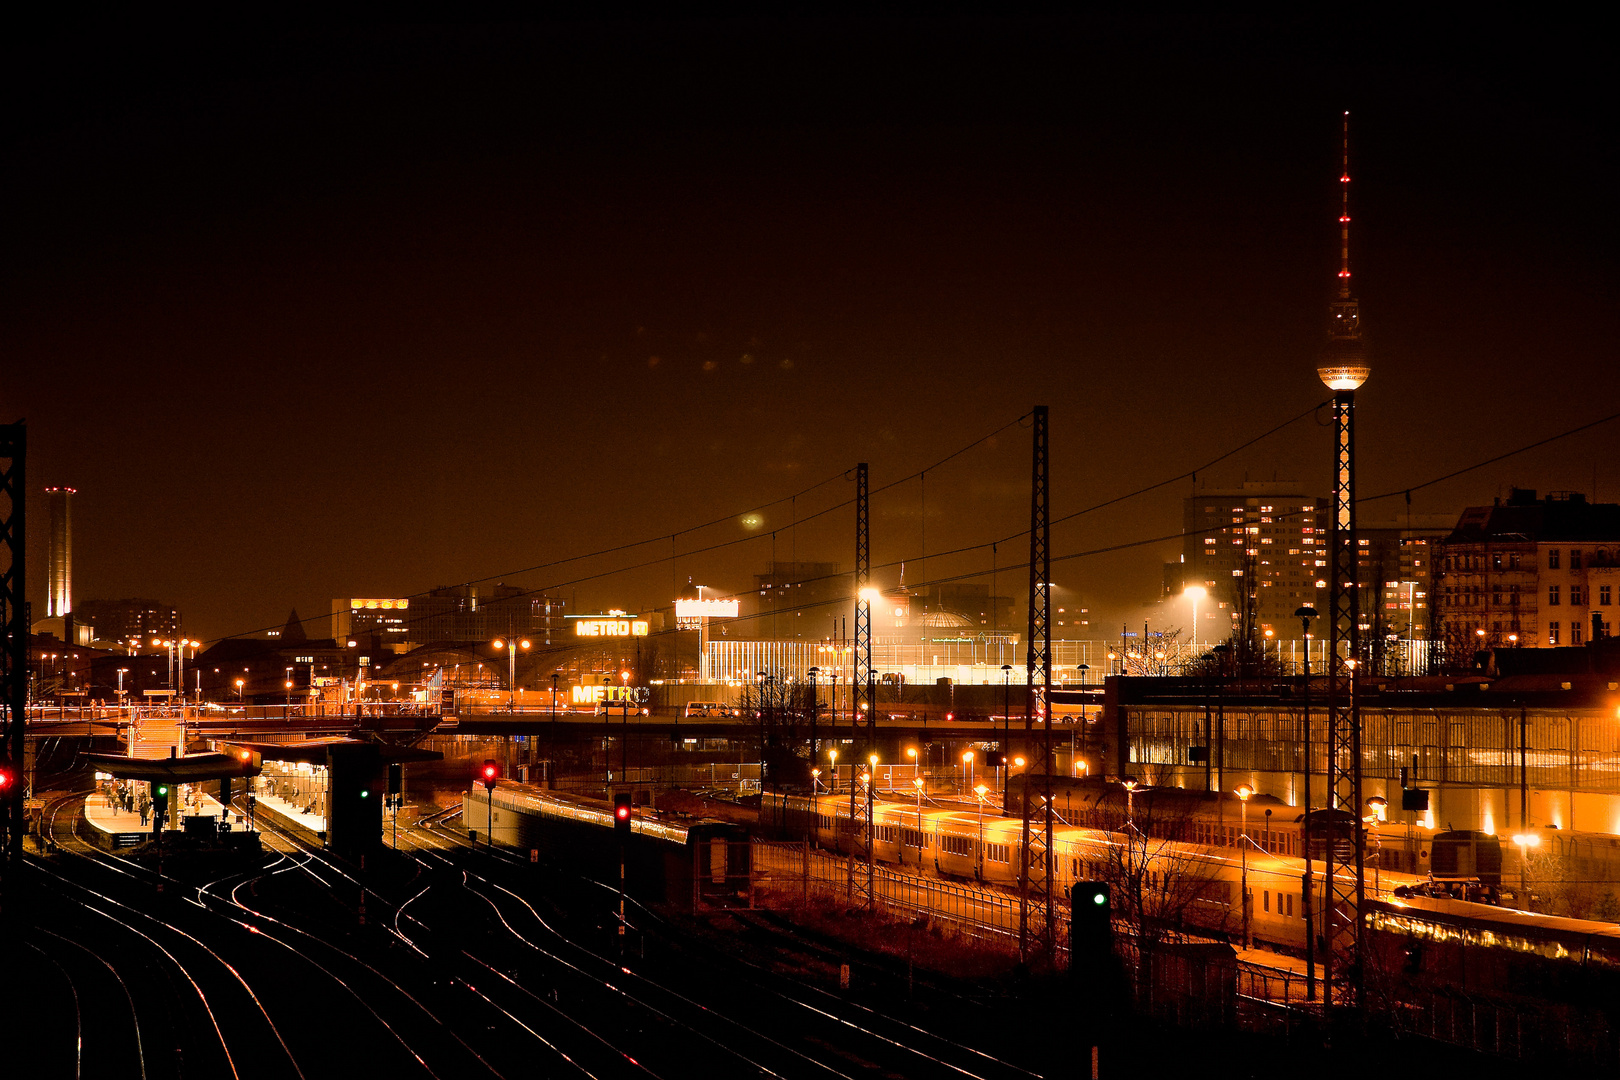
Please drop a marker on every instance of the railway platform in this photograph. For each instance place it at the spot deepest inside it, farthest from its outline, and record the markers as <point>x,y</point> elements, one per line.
<point>111,827</point>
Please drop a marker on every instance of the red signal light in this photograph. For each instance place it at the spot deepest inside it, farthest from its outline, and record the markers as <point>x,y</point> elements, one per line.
<point>622,813</point>
<point>489,772</point>
<point>5,779</point>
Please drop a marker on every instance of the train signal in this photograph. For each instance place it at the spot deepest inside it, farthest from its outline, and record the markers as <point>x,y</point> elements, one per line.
<point>160,802</point>
<point>1091,920</point>
<point>621,814</point>
<point>6,776</point>
<point>490,773</point>
<point>396,778</point>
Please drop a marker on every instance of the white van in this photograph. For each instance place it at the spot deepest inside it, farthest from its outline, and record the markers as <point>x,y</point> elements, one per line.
<point>707,708</point>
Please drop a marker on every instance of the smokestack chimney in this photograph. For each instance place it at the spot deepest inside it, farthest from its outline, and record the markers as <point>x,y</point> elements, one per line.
<point>59,555</point>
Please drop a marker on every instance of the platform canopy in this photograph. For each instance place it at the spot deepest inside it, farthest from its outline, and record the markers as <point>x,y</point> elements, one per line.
<point>190,769</point>
<point>314,751</point>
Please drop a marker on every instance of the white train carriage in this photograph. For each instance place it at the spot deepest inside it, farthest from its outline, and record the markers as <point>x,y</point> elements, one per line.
<point>1192,884</point>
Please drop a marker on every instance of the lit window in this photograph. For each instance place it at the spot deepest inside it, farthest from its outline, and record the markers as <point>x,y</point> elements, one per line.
<point>1552,633</point>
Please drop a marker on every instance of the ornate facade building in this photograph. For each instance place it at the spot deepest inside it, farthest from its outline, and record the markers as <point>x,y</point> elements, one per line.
<point>1529,573</point>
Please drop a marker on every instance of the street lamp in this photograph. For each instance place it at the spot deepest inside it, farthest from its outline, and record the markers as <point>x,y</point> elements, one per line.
<point>177,661</point>
<point>832,761</point>
<point>917,782</point>
<point>1376,807</point>
<point>978,870</point>
<point>1305,615</point>
<point>967,759</point>
<point>1526,840</point>
<point>815,783</point>
<point>239,684</point>
<point>1194,593</point>
<point>1243,793</point>
<point>1006,719</point>
<point>511,645</point>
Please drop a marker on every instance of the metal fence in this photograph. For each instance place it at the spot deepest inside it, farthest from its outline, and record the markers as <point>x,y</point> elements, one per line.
<point>1479,746</point>
<point>986,915</point>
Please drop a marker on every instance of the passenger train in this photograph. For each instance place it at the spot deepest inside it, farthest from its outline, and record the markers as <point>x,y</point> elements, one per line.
<point>1191,879</point>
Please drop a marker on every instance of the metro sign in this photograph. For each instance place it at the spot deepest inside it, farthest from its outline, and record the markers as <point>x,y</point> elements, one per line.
<point>611,628</point>
<point>599,695</point>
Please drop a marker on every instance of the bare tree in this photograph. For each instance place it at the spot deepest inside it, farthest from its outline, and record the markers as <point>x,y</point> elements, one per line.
<point>1160,654</point>
<point>1166,887</point>
<point>781,709</point>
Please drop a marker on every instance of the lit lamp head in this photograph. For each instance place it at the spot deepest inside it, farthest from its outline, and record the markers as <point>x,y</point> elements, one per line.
<point>1377,804</point>
<point>1244,791</point>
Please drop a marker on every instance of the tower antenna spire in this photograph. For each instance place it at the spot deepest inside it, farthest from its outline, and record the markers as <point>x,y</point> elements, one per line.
<point>1344,214</point>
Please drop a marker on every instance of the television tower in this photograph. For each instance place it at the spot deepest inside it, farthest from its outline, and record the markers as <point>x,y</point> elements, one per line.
<point>1343,368</point>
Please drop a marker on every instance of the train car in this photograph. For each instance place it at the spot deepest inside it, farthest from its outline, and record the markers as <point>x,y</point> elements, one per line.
<point>1552,983</point>
<point>686,862</point>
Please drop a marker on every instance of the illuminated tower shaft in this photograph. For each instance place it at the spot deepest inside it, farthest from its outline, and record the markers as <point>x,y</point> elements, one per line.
<point>59,554</point>
<point>1343,368</point>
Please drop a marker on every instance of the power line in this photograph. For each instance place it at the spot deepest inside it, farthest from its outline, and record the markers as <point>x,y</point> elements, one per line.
<point>1491,461</point>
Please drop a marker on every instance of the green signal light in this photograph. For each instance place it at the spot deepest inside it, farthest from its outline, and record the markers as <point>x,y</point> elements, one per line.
<point>1099,898</point>
<point>365,794</point>
<point>163,790</point>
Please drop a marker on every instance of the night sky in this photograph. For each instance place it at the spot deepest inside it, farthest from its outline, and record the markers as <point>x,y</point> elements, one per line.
<point>318,311</point>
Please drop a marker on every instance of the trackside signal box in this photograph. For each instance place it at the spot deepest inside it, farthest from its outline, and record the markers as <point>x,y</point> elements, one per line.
<point>1091,923</point>
<point>621,815</point>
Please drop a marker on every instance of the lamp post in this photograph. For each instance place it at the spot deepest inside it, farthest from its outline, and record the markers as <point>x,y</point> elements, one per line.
<point>624,742</point>
<point>1129,784</point>
<point>177,661</point>
<point>917,782</point>
<point>511,645</point>
<point>815,707</point>
<point>832,760</point>
<point>1243,793</point>
<point>967,759</point>
<point>1526,840</point>
<point>239,684</point>
<point>1305,615</point>
<point>1376,807</point>
<point>1194,593</point>
<point>978,869</point>
<point>911,752</point>
<point>1006,717</point>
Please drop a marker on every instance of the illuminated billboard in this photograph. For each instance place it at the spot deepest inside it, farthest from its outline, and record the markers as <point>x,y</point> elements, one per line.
<point>385,605</point>
<point>610,628</point>
<point>707,609</point>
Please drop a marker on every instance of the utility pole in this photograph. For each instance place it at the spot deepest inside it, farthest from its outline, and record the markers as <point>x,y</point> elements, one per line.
<point>13,650</point>
<point>1035,914</point>
<point>863,696</point>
